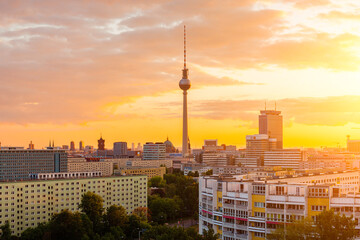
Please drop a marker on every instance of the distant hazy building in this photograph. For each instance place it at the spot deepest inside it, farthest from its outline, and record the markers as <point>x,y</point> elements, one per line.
<point>271,124</point>
<point>31,145</point>
<point>89,149</point>
<point>18,164</point>
<point>285,158</point>
<point>214,158</point>
<point>101,144</point>
<point>169,146</point>
<point>256,145</point>
<point>65,147</point>
<point>120,149</point>
<point>154,151</point>
<point>148,171</point>
<point>72,146</point>
<point>81,146</point>
<point>353,145</point>
<point>81,165</point>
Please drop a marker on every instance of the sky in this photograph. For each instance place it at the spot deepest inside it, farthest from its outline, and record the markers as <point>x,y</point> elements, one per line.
<point>75,70</point>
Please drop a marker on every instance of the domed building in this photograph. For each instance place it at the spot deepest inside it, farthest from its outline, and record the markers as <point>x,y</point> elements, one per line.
<point>169,146</point>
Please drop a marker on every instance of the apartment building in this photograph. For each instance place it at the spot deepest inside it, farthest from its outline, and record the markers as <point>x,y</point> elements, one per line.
<point>27,203</point>
<point>244,209</point>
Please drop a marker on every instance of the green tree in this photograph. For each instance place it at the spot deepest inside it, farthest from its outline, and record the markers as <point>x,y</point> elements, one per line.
<point>143,213</point>
<point>328,226</point>
<point>92,205</point>
<point>115,216</point>
<point>196,174</point>
<point>210,235</point>
<point>209,172</point>
<point>67,225</point>
<point>6,231</point>
<point>157,181</point>
<point>35,233</point>
<point>163,209</point>
<point>332,226</point>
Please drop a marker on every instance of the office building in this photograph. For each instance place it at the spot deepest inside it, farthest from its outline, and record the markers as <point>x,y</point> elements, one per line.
<point>137,162</point>
<point>72,146</point>
<point>148,171</point>
<point>81,146</point>
<point>353,145</point>
<point>154,151</point>
<point>214,158</point>
<point>237,208</point>
<point>120,149</point>
<point>82,165</point>
<point>17,164</point>
<point>285,158</point>
<point>27,203</point>
<point>271,124</point>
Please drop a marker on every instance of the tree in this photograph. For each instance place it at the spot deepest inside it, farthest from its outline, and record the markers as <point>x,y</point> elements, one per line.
<point>35,233</point>
<point>157,181</point>
<point>92,205</point>
<point>67,225</point>
<point>333,226</point>
<point>6,231</point>
<point>209,172</point>
<point>196,174</point>
<point>115,216</point>
<point>328,226</point>
<point>143,213</point>
<point>163,209</point>
<point>210,234</point>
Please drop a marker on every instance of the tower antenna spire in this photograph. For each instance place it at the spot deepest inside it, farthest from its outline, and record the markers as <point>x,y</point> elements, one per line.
<point>184,46</point>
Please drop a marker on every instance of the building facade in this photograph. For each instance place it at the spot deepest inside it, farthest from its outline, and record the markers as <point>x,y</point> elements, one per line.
<point>241,209</point>
<point>271,124</point>
<point>81,165</point>
<point>148,171</point>
<point>27,203</point>
<point>17,164</point>
<point>154,151</point>
<point>120,149</point>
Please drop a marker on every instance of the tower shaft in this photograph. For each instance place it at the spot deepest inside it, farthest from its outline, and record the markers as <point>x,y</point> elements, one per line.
<point>185,126</point>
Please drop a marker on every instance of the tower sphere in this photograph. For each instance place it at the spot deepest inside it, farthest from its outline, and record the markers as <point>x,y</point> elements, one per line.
<point>185,84</point>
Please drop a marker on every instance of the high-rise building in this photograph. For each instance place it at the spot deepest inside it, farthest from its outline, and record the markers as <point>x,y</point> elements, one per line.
<point>81,146</point>
<point>185,85</point>
<point>31,145</point>
<point>132,146</point>
<point>101,144</point>
<point>285,158</point>
<point>353,145</point>
<point>154,151</point>
<point>72,146</point>
<point>271,124</point>
<point>18,164</point>
<point>120,149</point>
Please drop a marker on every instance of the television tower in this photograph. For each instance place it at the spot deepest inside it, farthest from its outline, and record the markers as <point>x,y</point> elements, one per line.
<point>185,85</point>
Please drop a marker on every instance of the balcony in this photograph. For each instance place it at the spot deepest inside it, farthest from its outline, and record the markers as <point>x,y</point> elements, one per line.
<point>228,224</point>
<point>241,236</point>
<point>228,205</point>
<point>242,207</point>
<point>275,210</point>
<point>295,211</point>
<point>228,234</point>
<point>241,227</point>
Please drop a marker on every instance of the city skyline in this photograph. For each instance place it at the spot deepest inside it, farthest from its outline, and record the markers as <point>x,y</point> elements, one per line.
<point>104,67</point>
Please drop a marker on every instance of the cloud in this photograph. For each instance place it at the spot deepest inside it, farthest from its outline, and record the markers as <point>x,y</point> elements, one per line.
<point>326,111</point>
<point>76,57</point>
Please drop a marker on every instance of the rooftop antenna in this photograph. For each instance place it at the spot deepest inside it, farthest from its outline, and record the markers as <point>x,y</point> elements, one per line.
<point>185,70</point>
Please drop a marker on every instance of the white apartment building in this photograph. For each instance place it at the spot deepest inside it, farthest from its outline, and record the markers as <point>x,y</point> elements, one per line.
<point>242,209</point>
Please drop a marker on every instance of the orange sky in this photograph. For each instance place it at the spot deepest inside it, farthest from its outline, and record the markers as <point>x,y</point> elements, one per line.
<point>75,69</point>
